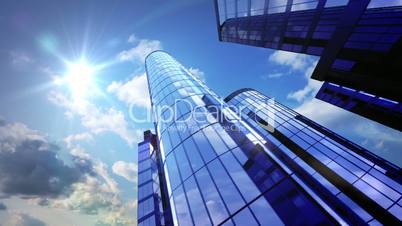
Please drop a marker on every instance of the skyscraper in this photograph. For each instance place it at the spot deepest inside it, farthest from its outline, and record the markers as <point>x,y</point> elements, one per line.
<point>359,44</point>
<point>151,185</point>
<point>249,160</point>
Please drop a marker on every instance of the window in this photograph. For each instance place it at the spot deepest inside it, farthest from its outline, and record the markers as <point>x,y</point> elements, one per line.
<point>345,174</point>
<point>225,137</point>
<point>384,3</point>
<point>277,6</point>
<point>205,147</point>
<point>245,217</point>
<point>183,163</point>
<point>240,177</point>
<point>242,8</point>
<point>287,201</point>
<point>392,194</point>
<point>144,165</point>
<point>143,155</point>
<point>150,221</point>
<point>373,194</point>
<point>193,155</point>
<point>197,206</point>
<point>174,135</point>
<point>333,3</point>
<point>215,140</point>
<point>228,190</point>
<point>144,176</point>
<point>166,143</point>
<point>264,212</point>
<point>257,7</point>
<point>144,190</point>
<point>182,212</point>
<point>145,207</point>
<point>304,5</point>
<point>214,204</point>
<point>174,176</point>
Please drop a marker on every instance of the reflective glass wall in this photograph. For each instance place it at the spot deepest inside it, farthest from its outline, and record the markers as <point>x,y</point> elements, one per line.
<point>150,210</point>
<point>345,176</point>
<point>359,43</point>
<point>218,169</point>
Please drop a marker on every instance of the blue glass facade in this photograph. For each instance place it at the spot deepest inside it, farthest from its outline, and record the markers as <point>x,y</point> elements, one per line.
<point>337,171</point>
<point>218,168</point>
<point>384,111</point>
<point>359,42</point>
<point>150,210</point>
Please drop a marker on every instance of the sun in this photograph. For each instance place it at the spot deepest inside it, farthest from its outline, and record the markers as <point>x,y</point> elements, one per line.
<point>80,79</point>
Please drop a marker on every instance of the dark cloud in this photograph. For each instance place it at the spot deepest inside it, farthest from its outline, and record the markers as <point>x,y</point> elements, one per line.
<point>2,206</point>
<point>18,219</point>
<point>32,167</point>
<point>4,196</point>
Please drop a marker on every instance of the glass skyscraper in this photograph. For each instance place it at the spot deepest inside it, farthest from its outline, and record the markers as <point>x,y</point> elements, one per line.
<point>248,160</point>
<point>359,43</point>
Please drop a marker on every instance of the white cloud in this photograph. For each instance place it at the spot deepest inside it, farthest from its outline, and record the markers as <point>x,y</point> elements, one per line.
<point>13,134</point>
<point>310,89</point>
<point>378,132</point>
<point>19,58</point>
<point>322,112</point>
<point>125,215</point>
<point>272,75</point>
<point>197,73</point>
<point>139,52</point>
<point>126,170</point>
<point>101,169</point>
<point>296,61</point>
<point>69,140</point>
<point>89,196</point>
<point>369,134</point>
<point>300,63</point>
<point>132,38</point>
<point>80,153</point>
<point>85,185</point>
<point>133,92</point>
<point>97,120</point>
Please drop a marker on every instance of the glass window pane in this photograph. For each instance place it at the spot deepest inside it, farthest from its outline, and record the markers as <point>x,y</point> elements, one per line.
<point>183,163</point>
<point>215,140</point>
<point>182,211</point>
<point>264,212</point>
<point>332,3</point>
<point>245,217</point>
<point>240,177</point>
<point>174,176</point>
<point>257,7</point>
<point>215,206</point>
<point>197,207</point>
<point>205,147</point>
<point>373,194</point>
<point>225,136</point>
<point>193,155</point>
<point>226,187</point>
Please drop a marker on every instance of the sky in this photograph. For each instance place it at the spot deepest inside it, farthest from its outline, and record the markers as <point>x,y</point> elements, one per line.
<point>68,147</point>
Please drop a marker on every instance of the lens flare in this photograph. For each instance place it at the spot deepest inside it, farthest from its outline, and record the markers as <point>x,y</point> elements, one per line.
<point>80,79</point>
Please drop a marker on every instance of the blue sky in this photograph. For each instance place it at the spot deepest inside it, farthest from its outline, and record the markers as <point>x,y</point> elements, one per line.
<point>90,143</point>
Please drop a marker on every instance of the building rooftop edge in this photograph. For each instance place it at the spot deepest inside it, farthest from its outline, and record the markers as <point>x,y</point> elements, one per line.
<point>158,50</point>
<point>237,92</point>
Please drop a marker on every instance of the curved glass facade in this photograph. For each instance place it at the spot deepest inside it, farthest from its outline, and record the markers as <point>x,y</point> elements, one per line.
<point>248,160</point>
<point>338,171</point>
<point>217,169</point>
